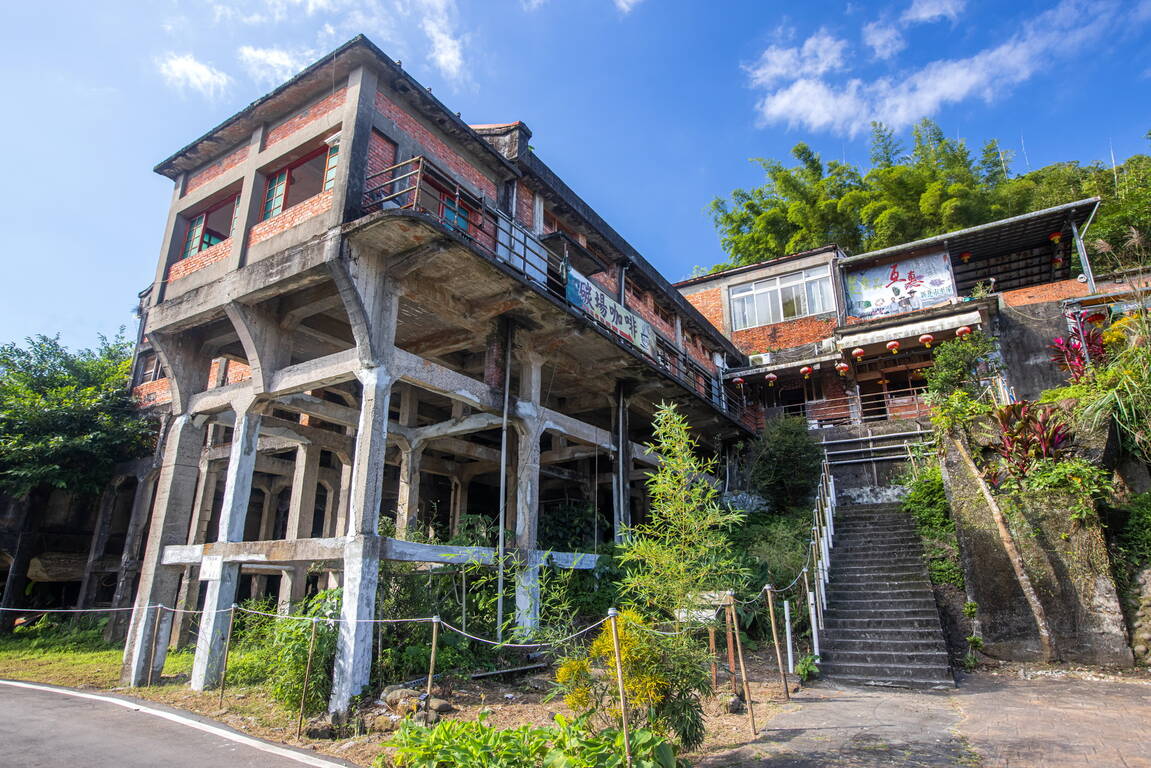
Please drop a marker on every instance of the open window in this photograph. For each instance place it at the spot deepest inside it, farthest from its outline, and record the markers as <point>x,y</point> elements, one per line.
<point>305,178</point>
<point>210,226</point>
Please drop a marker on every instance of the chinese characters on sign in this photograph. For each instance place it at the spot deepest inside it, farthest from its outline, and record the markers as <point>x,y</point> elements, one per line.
<point>586,295</point>
<point>903,286</point>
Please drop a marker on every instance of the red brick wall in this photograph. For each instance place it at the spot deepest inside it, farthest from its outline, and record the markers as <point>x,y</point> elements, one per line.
<point>185,267</point>
<point>313,206</point>
<point>308,115</point>
<point>206,173</point>
<point>156,392</point>
<point>442,154</point>
<point>525,205</point>
<point>709,302</point>
<point>381,155</point>
<point>789,333</point>
<point>1039,294</point>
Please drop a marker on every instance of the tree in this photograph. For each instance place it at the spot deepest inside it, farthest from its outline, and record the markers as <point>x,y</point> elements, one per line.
<point>66,418</point>
<point>683,550</point>
<point>785,464</point>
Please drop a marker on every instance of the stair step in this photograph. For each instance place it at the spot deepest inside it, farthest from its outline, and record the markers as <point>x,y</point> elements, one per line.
<point>929,641</point>
<point>883,636</point>
<point>925,684</point>
<point>848,623</point>
<point>937,672</point>
<point>930,657</point>
<point>847,598</point>
<point>880,602</point>
<point>877,550</point>
<point>879,585</point>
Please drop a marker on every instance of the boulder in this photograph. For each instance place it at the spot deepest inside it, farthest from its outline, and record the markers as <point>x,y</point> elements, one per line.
<point>439,705</point>
<point>425,718</point>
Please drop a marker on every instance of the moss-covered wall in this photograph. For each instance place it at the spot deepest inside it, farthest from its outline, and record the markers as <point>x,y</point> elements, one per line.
<point>1068,566</point>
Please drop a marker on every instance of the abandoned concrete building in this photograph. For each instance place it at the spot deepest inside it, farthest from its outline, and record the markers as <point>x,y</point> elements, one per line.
<point>372,324</point>
<point>371,320</point>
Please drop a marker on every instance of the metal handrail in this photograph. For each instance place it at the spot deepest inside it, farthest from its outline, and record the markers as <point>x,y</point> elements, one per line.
<point>413,184</point>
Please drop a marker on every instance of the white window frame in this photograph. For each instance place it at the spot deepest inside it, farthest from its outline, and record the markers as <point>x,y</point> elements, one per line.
<point>765,297</point>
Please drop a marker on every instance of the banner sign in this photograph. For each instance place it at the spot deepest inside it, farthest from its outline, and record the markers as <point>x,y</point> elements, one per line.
<point>901,286</point>
<point>589,297</point>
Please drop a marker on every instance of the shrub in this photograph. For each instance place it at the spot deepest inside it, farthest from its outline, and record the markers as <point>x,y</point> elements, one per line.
<point>957,362</point>
<point>475,744</point>
<point>784,463</point>
<point>927,504</point>
<point>955,409</point>
<point>1027,433</point>
<point>1076,476</point>
<point>289,652</point>
<point>665,679</point>
<point>1135,537</point>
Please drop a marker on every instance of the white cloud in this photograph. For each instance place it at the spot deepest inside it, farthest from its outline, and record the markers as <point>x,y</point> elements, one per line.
<point>626,6</point>
<point>883,39</point>
<point>806,97</point>
<point>272,66</point>
<point>437,20</point>
<point>821,53</point>
<point>184,71</point>
<point>925,11</point>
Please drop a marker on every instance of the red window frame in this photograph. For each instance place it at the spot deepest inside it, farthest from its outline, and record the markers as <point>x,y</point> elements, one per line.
<point>195,230</point>
<point>274,202</point>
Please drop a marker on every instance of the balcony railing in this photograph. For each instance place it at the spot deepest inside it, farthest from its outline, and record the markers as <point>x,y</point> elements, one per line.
<point>418,185</point>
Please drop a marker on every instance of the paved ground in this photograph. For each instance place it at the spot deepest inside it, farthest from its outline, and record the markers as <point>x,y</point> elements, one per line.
<point>991,721</point>
<point>46,729</point>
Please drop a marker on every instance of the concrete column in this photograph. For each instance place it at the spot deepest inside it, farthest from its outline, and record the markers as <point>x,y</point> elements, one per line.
<point>267,520</point>
<point>222,577</point>
<point>408,502</point>
<point>29,522</point>
<point>362,554</point>
<point>460,487</point>
<point>621,487</point>
<point>527,484</point>
<point>99,540</point>
<point>130,559</point>
<point>188,597</point>
<point>175,491</point>
<point>301,513</point>
<point>345,497</point>
<point>251,202</point>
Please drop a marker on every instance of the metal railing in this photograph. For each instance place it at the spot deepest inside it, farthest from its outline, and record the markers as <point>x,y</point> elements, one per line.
<point>822,541</point>
<point>906,403</point>
<point>417,184</point>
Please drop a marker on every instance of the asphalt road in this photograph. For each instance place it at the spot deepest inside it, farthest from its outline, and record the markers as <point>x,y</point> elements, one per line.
<point>51,729</point>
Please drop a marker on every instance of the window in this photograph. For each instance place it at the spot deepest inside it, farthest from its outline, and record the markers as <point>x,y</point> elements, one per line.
<point>305,178</point>
<point>781,298</point>
<point>212,226</point>
<point>454,212</point>
<point>150,369</point>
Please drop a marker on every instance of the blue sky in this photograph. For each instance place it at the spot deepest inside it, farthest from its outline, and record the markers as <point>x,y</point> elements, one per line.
<point>648,108</point>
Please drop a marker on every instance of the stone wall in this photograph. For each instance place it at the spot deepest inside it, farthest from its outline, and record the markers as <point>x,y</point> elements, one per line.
<point>1067,564</point>
<point>1141,624</point>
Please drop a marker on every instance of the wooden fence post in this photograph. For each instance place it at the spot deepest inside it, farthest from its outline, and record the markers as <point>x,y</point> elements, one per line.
<point>612,617</point>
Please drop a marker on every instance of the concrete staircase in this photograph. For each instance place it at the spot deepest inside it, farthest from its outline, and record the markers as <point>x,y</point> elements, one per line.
<point>881,626</point>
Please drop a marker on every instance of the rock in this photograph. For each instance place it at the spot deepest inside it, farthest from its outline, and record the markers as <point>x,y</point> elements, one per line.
<point>425,718</point>
<point>440,706</point>
<point>733,704</point>
<point>539,683</point>
<point>384,723</point>
<point>320,730</point>
<point>395,696</point>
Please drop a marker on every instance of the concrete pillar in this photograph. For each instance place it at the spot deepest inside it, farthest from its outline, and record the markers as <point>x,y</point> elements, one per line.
<point>222,577</point>
<point>29,521</point>
<point>301,513</point>
<point>459,506</point>
<point>527,484</point>
<point>188,597</point>
<point>408,501</point>
<point>175,492</point>
<point>267,520</point>
<point>361,556</point>
<point>99,540</point>
<point>130,559</point>
<point>621,486</point>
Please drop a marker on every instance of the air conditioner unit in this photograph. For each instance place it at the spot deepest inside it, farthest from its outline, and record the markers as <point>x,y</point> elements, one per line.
<point>761,359</point>
<point>827,346</point>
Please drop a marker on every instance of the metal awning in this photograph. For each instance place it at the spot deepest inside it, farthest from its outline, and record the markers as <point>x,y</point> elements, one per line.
<point>1004,236</point>
<point>911,330</point>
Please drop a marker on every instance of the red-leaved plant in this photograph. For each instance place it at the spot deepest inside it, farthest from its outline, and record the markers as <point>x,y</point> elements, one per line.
<point>1078,352</point>
<point>1029,432</point>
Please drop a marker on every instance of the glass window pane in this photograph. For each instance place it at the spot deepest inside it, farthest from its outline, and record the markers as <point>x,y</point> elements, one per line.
<point>793,301</point>
<point>765,307</point>
<point>819,296</point>
<point>792,279</point>
<point>811,274</point>
<point>739,311</point>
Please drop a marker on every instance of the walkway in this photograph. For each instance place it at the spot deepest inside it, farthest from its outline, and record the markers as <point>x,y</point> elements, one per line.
<point>992,721</point>
<point>42,727</point>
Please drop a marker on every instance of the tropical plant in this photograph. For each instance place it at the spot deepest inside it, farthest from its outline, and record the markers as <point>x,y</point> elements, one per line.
<point>1077,353</point>
<point>683,550</point>
<point>807,668</point>
<point>1028,432</point>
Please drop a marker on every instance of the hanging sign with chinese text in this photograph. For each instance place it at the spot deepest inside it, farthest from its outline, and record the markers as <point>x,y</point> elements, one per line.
<point>901,286</point>
<point>589,297</point>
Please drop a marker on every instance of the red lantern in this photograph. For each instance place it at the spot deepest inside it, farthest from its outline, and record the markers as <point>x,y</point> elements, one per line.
<point>1055,237</point>
<point>926,340</point>
<point>965,256</point>
<point>1057,261</point>
<point>858,353</point>
<point>806,371</point>
<point>737,380</point>
<point>963,331</point>
<point>894,347</point>
<point>842,368</point>
<point>770,379</point>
